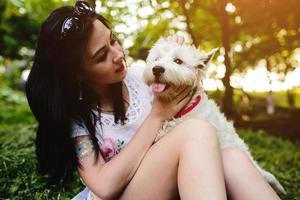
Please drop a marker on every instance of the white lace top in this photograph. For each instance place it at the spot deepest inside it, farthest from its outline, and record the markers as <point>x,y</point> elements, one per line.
<point>113,137</point>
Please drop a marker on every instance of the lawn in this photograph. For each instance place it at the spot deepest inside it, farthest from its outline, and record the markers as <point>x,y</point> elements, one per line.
<point>19,178</point>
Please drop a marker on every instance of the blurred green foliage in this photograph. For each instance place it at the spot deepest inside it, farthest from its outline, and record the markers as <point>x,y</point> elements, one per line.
<point>20,23</point>
<point>261,29</point>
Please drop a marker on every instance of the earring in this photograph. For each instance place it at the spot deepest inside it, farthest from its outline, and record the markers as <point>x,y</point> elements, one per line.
<point>80,93</point>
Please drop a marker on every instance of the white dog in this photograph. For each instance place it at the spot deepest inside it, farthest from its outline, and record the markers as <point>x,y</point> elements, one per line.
<point>171,67</point>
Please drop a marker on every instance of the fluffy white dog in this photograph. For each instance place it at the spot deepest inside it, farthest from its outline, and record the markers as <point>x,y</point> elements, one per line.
<point>170,68</point>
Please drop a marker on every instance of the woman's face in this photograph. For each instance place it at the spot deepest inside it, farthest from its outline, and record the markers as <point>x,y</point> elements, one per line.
<point>104,63</point>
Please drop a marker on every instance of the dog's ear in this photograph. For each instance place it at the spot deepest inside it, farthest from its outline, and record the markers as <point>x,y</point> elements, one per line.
<point>209,56</point>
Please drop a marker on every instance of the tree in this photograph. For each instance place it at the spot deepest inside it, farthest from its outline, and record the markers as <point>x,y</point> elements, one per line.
<point>210,25</point>
<point>20,22</point>
<point>276,38</point>
<point>238,22</point>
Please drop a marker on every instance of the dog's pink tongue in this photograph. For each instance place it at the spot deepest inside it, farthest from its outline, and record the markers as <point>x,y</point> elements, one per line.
<point>158,87</point>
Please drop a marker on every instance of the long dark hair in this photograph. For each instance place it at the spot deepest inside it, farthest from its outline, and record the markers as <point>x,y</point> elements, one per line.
<point>52,92</point>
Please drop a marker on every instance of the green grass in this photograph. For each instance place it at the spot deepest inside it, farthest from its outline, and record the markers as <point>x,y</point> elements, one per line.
<point>280,157</point>
<point>19,178</point>
<point>18,173</point>
<point>280,97</point>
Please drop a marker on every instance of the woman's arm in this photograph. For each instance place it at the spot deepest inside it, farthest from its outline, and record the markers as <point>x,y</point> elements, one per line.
<point>108,180</point>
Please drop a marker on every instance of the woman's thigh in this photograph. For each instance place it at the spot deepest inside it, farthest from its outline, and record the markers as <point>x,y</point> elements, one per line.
<point>156,177</point>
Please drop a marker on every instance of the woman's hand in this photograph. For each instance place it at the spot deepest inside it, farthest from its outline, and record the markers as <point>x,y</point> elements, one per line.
<point>177,38</point>
<point>165,110</point>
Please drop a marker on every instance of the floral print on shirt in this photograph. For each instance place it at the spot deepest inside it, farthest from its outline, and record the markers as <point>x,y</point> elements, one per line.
<point>110,147</point>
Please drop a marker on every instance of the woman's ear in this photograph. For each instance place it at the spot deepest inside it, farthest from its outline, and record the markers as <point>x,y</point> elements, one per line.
<point>209,56</point>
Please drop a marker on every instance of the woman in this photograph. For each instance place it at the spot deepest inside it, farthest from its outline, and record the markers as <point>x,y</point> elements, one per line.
<point>97,116</point>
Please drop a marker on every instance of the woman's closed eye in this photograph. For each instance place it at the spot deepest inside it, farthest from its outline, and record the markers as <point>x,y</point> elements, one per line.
<point>103,55</point>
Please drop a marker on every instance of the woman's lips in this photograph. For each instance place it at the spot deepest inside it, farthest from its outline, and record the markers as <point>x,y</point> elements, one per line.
<point>121,68</point>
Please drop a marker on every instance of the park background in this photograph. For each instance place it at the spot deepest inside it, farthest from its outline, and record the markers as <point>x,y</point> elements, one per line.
<point>255,77</point>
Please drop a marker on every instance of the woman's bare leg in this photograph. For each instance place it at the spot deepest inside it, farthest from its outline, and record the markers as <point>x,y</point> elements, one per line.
<point>200,173</point>
<point>186,161</point>
<point>243,180</point>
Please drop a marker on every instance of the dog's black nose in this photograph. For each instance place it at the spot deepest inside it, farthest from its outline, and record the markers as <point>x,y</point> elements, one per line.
<point>158,70</point>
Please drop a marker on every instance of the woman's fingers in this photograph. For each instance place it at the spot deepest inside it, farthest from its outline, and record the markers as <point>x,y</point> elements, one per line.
<point>176,38</point>
<point>180,40</point>
<point>184,96</point>
<point>179,93</point>
<point>182,99</point>
<point>166,110</point>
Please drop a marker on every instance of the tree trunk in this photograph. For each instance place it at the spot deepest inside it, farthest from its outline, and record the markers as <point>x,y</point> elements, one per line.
<point>270,108</point>
<point>290,98</point>
<point>289,93</point>
<point>228,96</point>
<point>188,23</point>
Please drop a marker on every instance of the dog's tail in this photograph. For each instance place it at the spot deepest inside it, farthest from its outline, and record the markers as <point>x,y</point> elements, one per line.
<point>271,179</point>
<point>273,182</point>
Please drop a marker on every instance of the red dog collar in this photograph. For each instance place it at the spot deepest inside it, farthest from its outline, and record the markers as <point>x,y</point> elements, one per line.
<point>189,108</point>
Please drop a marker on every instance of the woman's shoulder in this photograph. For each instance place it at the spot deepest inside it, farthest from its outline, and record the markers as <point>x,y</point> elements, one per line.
<point>78,128</point>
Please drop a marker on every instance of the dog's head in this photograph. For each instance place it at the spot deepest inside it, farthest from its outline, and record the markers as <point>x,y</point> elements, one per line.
<point>172,67</point>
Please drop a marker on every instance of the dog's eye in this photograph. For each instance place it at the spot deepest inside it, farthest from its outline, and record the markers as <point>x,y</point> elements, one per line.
<point>178,61</point>
<point>200,66</point>
<point>156,59</point>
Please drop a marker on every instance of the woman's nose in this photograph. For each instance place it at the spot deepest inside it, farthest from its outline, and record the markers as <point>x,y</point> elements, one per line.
<point>118,56</point>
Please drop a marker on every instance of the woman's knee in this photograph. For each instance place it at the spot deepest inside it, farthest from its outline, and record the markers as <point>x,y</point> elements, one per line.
<point>198,130</point>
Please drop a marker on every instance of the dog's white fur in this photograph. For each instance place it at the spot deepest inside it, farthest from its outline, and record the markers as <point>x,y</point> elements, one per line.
<point>190,73</point>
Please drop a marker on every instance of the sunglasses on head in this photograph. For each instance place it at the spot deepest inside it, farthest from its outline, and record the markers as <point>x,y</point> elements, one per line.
<point>75,24</point>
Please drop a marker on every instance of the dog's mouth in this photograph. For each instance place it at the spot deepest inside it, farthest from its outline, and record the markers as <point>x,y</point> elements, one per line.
<point>158,87</point>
